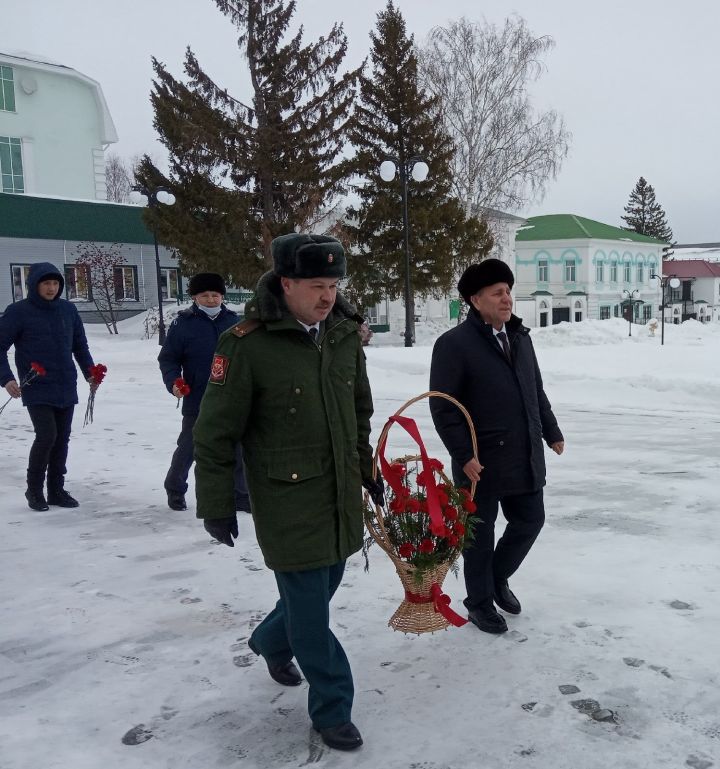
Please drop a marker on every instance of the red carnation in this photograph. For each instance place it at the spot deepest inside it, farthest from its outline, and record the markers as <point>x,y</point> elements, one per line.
<point>397,505</point>
<point>459,528</point>
<point>469,506</point>
<point>451,513</point>
<point>426,545</point>
<point>413,505</point>
<point>443,498</point>
<point>406,550</point>
<point>38,369</point>
<point>182,387</point>
<point>436,464</point>
<point>452,540</point>
<point>96,374</point>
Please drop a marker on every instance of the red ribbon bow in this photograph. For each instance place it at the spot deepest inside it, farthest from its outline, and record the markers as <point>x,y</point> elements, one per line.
<point>441,604</point>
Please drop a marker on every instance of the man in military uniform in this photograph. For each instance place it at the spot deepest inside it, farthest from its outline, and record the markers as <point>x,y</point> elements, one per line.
<point>289,383</point>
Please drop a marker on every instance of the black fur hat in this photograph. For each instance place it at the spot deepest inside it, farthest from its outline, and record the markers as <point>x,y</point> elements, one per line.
<point>206,281</point>
<point>307,256</point>
<point>485,273</point>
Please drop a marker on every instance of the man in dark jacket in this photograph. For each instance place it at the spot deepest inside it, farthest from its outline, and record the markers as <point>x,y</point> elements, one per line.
<point>289,383</point>
<point>488,364</point>
<point>187,354</point>
<point>46,330</point>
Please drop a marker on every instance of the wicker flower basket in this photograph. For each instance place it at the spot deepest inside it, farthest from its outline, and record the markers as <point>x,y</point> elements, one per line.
<point>425,608</point>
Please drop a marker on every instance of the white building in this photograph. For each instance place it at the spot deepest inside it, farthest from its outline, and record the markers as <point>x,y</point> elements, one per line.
<point>568,268</point>
<point>698,295</point>
<point>54,128</point>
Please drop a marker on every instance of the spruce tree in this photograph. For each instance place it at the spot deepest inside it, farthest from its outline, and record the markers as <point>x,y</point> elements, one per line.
<point>396,119</point>
<point>645,215</point>
<point>244,172</point>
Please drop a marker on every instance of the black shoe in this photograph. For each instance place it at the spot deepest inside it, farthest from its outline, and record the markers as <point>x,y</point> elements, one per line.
<point>36,500</point>
<point>61,498</point>
<point>176,501</point>
<point>505,598</point>
<point>286,674</point>
<point>343,737</point>
<point>488,620</point>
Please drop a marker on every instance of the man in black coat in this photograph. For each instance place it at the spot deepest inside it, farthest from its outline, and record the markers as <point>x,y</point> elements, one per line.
<point>488,364</point>
<point>188,354</point>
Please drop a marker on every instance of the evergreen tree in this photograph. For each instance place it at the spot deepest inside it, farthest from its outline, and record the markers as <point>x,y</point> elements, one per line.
<point>645,215</point>
<point>244,173</point>
<point>396,119</point>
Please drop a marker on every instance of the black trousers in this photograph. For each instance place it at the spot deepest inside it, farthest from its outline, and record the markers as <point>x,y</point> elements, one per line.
<point>484,561</point>
<point>48,454</point>
<point>182,459</point>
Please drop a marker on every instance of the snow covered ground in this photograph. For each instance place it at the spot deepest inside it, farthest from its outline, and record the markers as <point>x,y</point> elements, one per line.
<point>123,619</point>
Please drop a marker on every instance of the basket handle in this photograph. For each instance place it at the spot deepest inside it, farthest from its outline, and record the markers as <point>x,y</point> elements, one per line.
<point>430,394</point>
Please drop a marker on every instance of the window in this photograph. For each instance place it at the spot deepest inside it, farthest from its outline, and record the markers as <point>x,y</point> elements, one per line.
<point>542,271</point>
<point>170,281</point>
<point>126,286</point>
<point>7,90</point>
<point>605,312</point>
<point>600,272</point>
<point>673,295</point>
<point>77,283</point>
<point>627,269</point>
<point>640,274</point>
<point>613,272</point>
<point>19,281</point>
<point>616,310</point>
<point>646,312</point>
<point>11,167</point>
<point>570,271</point>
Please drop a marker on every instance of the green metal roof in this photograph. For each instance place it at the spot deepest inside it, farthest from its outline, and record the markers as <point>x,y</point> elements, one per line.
<point>571,227</point>
<point>25,216</point>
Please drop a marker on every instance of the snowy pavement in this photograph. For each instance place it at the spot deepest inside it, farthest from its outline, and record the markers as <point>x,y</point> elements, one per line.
<point>123,627</point>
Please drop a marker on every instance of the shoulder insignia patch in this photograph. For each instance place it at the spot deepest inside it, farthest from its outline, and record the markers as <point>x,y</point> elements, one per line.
<point>218,370</point>
<point>245,327</point>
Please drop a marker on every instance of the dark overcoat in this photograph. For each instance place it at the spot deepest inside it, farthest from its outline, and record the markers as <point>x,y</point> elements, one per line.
<point>301,410</point>
<point>188,351</point>
<point>506,401</point>
<point>50,333</point>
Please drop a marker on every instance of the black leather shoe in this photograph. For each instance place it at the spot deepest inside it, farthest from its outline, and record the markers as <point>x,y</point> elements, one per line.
<point>36,500</point>
<point>505,598</point>
<point>343,737</point>
<point>176,501</point>
<point>286,674</point>
<point>61,498</point>
<point>488,620</point>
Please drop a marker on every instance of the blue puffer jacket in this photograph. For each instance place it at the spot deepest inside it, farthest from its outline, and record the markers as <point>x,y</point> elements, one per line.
<point>188,351</point>
<point>50,333</point>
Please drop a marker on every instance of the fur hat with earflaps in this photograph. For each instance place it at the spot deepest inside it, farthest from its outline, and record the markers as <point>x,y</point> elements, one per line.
<point>307,256</point>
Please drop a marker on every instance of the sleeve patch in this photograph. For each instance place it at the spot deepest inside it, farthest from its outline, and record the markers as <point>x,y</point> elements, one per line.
<point>218,370</point>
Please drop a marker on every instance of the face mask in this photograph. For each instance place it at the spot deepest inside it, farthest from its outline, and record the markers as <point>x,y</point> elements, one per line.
<point>211,311</point>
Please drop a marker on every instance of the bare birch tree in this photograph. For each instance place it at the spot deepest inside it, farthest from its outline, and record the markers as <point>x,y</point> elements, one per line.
<point>505,149</point>
<point>118,178</point>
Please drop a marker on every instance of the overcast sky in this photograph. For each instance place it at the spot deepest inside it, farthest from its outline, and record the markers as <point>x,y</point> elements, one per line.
<point>638,81</point>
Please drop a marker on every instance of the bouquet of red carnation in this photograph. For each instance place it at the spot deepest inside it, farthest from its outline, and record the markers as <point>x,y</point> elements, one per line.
<point>95,378</point>
<point>183,388</point>
<point>36,370</point>
<point>424,529</point>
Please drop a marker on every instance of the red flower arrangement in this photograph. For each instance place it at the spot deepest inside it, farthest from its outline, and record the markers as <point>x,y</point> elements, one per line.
<point>423,529</point>
<point>96,374</point>
<point>183,388</point>
<point>36,370</point>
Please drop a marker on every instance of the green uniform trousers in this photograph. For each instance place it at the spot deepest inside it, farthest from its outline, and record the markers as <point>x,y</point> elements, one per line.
<point>299,626</point>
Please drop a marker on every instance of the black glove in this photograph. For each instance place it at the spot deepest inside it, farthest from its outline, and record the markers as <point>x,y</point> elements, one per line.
<point>376,490</point>
<point>221,529</point>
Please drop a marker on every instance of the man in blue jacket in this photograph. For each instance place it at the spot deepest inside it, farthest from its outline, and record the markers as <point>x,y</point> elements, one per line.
<point>47,330</point>
<point>488,364</point>
<point>188,354</point>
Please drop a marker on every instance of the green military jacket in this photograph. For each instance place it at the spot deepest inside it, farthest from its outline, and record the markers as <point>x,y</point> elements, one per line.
<point>301,411</point>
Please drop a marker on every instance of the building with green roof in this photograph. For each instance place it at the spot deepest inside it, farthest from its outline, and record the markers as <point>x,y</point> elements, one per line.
<point>45,229</point>
<point>569,268</point>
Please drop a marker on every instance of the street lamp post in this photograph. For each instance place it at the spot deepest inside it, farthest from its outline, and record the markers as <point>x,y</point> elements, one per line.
<point>153,198</point>
<point>418,169</point>
<point>630,300</point>
<point>668,280</point>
